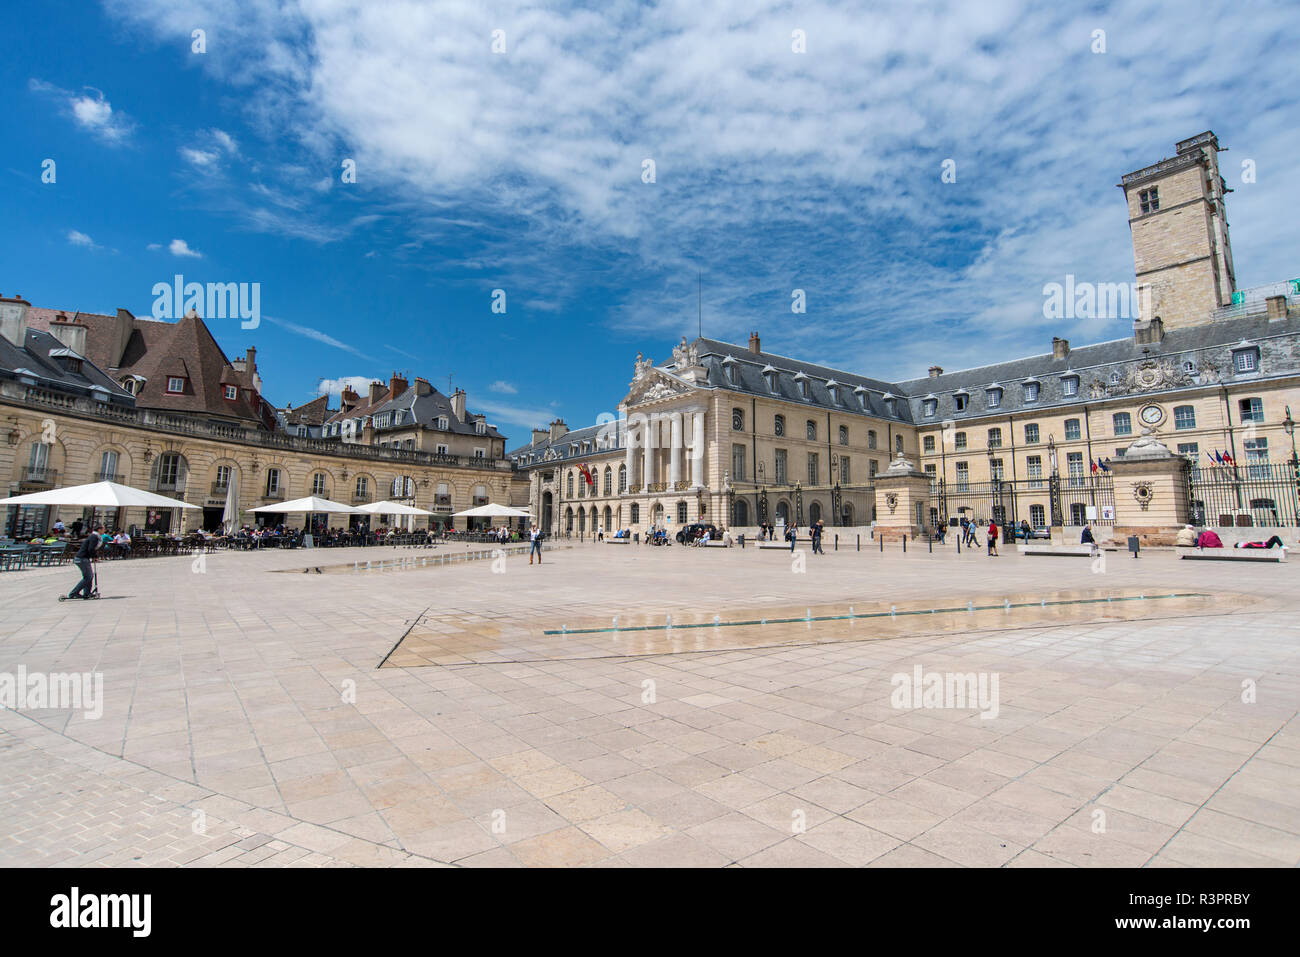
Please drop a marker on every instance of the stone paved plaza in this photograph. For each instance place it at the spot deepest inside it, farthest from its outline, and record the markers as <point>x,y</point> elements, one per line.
<point>547,715</point>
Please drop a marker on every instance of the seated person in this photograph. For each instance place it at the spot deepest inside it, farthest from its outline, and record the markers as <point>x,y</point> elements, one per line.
<point>1186,537</point>
<point>1209,539</point>
<point>1275,540</point>
<point>1086,538</point>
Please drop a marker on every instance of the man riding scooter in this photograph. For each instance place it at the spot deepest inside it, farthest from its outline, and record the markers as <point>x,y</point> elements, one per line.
<point>84,560</point>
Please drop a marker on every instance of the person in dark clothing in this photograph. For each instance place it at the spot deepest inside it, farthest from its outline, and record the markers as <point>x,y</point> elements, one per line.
<point>1274,541</point>
<point>1086,538</point>
<point>817,538</point>
<point>86,554</point>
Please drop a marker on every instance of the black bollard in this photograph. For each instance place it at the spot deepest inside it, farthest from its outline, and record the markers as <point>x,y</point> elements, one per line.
<point>905,543</point>
<point>882,543</point>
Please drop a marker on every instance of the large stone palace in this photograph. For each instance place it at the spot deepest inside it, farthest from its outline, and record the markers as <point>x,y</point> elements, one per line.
<point>157,405</point>
<point>1185,419</point>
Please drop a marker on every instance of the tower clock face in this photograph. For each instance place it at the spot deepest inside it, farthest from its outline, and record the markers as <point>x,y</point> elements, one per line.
<point>1152,414</point>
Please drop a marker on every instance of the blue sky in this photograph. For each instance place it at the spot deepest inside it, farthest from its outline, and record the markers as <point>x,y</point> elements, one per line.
<point>522,170</point>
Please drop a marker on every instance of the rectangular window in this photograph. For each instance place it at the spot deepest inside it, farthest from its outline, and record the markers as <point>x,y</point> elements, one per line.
<point>232,392</point>
<point>872,468</point>
<point>1070,386</point>
<point>737,463</point>
<point>780,467</point>
<point>223,476</point>
<point>963,476</point>
<point>845,473</point>
<point>1074,467</point>
<point>1245,360</point>
<point>931,471</point>
<point>440,449</point>
<point>927,443</point>
<point>995,438</point>
<point>1252,410</point>
<point>108,467</point>
<point>1184,417</point>
<point>480,453</point>
<point>1031,433</point>
<point>1031,391</point>
<point>1149,199</point>
<point>1190,449</point>
<point>175,384</point>
<point>1072,432</point>
<point>272,481</point>
<point>995,468</point>
<point>1123,423</point>
<point>959,440</point>
<point>813,471</point>
<point>929,407</point>
<point>959,401</point>
<point>318,485</point>
<point>994,398</point>
<point>1034,465</point>
<point>1037,516</point>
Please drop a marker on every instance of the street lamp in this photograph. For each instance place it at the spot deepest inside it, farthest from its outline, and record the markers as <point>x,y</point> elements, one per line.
<point>1054,485</point>
<point>837,504</point>
<point>1288,425</point>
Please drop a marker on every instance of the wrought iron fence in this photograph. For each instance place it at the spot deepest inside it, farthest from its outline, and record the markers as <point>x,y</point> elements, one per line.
<point>1040,502</point>
<point>1250,494</point>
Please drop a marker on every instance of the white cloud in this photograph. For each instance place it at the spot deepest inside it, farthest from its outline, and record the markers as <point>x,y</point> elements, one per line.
<point>333,387</point>
<point>89,110</point>
<point>775,170</point>
<point>316,334</point>
<point>201,158</point>
<point>179,247</point>
<point>78,238</point>
<point>152,247</point>
<point>504,387</point>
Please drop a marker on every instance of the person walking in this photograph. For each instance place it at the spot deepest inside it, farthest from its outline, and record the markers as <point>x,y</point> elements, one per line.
<point>792,534</point>
<point>84,558</point>
<point>993,538</point>
<point>817,531</point>
<point>535,546</point>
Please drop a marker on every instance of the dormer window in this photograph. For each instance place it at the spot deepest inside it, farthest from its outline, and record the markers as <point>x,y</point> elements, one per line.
<point>929,407</point>
<point>1031,391</point>
<point>129,385</point>
<point>1245,360</point>
<point>769,374</point>
<point>959,400</point>
<point>861,393</point>
<point>833,388</point>
<point>803,384</point>
<point>1070,386</point>
<point>889,399</point>
<point>232,393</point>
<point>993,396</point>
<point>729,367</point>
<point>175,385</point>
<point>480,427</point>
<point>442,423</point>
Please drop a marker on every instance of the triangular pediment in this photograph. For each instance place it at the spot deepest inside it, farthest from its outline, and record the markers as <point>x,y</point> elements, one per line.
<point>656,385</point>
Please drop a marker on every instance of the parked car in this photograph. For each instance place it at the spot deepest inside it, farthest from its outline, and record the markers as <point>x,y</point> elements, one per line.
<point>691,532</point>
<point>1025,533</point>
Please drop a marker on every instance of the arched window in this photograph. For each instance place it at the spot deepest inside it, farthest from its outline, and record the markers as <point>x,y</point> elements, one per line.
<point>898,443</point>
<point>778,425</point>
<point>815,512</point>
<point>568,486</point>
<point>622,479</point>
<point>636,514</point>
<point>844,435</point>
<point>783,513</point>
<point>318,485</point>
<point>738,420</point>
<point>871,438</point>
<point>741,516</point>
<point>812,431</point>
<point>609,481</point>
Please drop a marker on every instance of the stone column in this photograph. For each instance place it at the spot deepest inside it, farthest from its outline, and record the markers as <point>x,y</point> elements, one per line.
<point>648,444</point>
<point>697,451</point>
<point>629,437</point>
<point>675,451</point>
<point>1150,492</point>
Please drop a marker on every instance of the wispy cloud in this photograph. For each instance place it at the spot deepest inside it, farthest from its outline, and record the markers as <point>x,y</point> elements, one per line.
<point>78,238</point>
<point>89,110</point>
<point>503,387</point>
<point>319,336</point>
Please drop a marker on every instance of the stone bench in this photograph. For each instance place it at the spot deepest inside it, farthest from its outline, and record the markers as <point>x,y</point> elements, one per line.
<point>1069,551</point>
<point>1236,555</point>
<point>776,546</point>
<point>618,541</point>
<point>716,544</point>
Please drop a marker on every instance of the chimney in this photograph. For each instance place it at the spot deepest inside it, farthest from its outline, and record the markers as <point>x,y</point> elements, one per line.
<point>70,332</point>
<point>376,392</point>
<point>123,326</point>
<point>936,371</point>
<point>1276,307</point>
<point>458,404</point>
<point>422,386</point>
<point>1060,347</point>
<point>250,362</point>
<point>558,428</point>
<point>1149,333</point>
<point>348,399</point>
<point>754,344</point>
<point>540,435</point>
<point>397,385</point>
<point>13,319</point>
